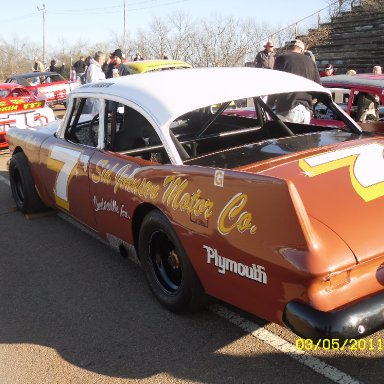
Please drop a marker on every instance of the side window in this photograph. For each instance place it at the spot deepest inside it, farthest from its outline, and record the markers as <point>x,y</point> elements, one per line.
<point>129,132</point>
<point>84,123</point>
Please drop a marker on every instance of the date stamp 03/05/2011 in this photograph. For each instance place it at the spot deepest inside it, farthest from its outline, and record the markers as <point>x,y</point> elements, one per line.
<point>340,344</point>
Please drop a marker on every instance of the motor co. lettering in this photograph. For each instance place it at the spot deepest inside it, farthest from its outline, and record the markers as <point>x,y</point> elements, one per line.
<point>223,264</point>
<point>234,216</point>
<point>118,177</point>
<point>177,198</point>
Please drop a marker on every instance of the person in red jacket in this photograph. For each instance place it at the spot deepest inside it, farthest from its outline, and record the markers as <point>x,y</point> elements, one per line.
<point>328,71</point>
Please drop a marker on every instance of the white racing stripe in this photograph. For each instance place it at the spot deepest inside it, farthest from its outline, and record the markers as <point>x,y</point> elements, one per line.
<point>324,369</point>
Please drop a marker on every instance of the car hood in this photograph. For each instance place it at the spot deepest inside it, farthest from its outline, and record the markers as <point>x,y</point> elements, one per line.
<point>338,176</point>
<point>50,128</point>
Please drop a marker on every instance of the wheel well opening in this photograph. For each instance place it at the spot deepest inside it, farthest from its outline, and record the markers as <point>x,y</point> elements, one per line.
<point>137,220</point>
<point>17,150</point>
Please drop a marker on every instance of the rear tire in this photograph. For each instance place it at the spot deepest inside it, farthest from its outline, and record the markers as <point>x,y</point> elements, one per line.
<point>22,185</point>
<point>169,272</point>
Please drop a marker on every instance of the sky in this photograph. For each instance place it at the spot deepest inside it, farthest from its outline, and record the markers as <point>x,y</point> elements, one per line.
<point>99,20</point>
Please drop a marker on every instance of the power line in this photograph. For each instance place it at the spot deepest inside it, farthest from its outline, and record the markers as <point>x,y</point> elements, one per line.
<point>114,9</point>
<point>97,10</point>
<point>19,18</point>
<point>160,5</point>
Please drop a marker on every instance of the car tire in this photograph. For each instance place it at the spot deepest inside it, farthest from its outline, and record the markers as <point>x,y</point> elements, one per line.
<point>22,185</point>
<point>166,266</point>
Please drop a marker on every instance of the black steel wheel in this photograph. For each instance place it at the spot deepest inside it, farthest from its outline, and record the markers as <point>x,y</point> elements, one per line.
<point>167,268</point>
<point>22,185</point>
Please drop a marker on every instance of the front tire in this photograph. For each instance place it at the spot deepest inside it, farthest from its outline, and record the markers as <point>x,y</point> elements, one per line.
<point>169,272</point>
<point>22,185</point>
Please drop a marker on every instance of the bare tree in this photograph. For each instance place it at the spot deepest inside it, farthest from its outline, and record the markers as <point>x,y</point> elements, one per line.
<point>182,29</point>
<point>16,56</point>
<point>160,37</point>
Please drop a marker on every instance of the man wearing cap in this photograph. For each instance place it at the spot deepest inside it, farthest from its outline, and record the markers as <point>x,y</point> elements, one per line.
<point>119,69</point>
<point>295,107</point>
<point>266,58</point>
<point>328,71</point>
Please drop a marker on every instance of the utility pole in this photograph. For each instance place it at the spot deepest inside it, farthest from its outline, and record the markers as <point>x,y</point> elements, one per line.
<point>43,10</point>
<point>125,37</point>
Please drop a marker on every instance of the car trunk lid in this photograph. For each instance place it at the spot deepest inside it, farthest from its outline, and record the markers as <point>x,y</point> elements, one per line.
<point>342,187</point>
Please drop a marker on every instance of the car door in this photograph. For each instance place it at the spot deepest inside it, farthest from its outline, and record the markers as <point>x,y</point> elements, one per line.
<point>120,175</point>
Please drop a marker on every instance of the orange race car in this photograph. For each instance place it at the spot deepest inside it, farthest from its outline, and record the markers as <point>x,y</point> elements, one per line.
<point>278,219</point>
<point>21,108</point>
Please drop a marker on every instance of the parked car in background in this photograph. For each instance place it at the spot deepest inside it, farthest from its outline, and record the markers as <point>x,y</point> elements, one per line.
<point>19,107</point>
<point>282,220</point>
<point>361,96</point>
<point>142,66</point>
<point>52,85</point>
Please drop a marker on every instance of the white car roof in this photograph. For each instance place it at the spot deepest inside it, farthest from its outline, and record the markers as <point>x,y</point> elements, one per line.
<point>167,95</point>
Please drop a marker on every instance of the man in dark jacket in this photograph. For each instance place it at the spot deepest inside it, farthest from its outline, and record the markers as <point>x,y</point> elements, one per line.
<point>55,68</point>
<point>296,106</point>
<point>119,68</point>
<point>80,68</point>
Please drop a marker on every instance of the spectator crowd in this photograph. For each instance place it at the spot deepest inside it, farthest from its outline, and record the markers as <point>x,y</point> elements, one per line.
<point>113,65</point>
<point>90,69</point>
<point>294,107</point>
<point>267,57</point>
